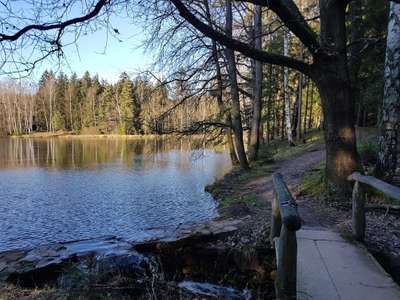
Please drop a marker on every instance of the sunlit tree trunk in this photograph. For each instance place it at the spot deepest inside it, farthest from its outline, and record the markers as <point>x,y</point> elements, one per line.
<point>390,112</point>
<point>299,107</point>
<point>286,96</point>
<point>257,88</point>
<point>236,116</point>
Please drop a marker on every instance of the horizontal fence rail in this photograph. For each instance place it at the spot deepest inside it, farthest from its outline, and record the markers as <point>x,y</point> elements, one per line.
<point>359,196</point>
<point>285,221</point>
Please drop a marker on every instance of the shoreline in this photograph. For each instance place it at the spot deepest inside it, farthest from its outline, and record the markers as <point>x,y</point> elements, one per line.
<point>75,135</point>
<point>72,135</point>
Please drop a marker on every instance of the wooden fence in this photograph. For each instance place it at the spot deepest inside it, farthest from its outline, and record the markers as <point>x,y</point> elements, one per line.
<point>284,224</point>
<point>359,196</point>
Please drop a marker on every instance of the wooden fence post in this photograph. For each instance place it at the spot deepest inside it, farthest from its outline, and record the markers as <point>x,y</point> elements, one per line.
<point>285,222</point>
<point>276,221</point>
<point>358,211</point>
<point>286,280</point>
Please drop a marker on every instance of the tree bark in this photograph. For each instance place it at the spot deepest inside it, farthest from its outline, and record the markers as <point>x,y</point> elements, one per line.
<point>333,81</point>
<point>390,112</point>
<point>257,89</point>
<point>299,107</point>
<point>286,96</point>
<point>235,112</point>
<point>306,109</point>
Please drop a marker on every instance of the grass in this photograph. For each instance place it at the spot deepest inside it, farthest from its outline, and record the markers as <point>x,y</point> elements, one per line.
<point>313,181</point>
<point>11,292</point>
<point>280,150</point>
<point>255,172</point>
<point>249,199</point>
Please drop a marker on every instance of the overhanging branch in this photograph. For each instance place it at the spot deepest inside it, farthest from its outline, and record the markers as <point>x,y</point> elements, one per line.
<point>290,15</point>
<point>61,25</point>
<point>239,46</point>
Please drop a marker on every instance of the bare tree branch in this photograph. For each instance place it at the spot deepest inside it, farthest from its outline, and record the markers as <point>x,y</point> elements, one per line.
<point>238,45</point>
<point>61,25</point>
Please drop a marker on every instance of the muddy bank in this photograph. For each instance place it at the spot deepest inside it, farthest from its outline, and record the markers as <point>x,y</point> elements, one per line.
<point>202,261</point>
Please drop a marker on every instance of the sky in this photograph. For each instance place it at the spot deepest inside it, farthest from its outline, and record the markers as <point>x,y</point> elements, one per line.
<point>107,57</point>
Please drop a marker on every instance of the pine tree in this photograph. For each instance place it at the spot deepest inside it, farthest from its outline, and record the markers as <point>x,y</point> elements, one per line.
<point>125,104</point>
<point>106,109</point>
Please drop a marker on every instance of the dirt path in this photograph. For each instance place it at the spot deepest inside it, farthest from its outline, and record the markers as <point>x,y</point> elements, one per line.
<point>292,171</point>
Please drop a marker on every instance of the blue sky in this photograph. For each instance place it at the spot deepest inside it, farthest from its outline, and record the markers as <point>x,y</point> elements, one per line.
<point>107,57</point>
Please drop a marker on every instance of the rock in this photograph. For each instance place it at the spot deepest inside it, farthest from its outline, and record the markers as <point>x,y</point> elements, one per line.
<point>105,270</point>
<point>207,232</point>
<point>51,258</point>
<point>213,291</point>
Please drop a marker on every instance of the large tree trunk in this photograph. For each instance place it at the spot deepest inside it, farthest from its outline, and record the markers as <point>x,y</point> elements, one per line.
<point>257,90</point>
<point>333,80</point>
<point>340,138</point>
<point>235,111</point>
<point>390,112</point>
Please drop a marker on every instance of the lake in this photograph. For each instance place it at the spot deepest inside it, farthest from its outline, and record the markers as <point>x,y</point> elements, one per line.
<point>61,189</point>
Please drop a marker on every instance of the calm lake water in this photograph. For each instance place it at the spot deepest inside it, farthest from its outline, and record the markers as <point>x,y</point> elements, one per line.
<point>61,189</point>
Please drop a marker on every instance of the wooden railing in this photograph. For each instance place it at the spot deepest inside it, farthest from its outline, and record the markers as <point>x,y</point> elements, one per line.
<point>284,224</point>
<point>359,196</point>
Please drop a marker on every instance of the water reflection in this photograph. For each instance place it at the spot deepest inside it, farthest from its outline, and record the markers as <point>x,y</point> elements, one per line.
<point>72,153</point>
<point>71,188</point>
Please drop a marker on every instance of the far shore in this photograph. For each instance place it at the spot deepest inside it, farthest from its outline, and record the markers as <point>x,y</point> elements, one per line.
<point>70,134</point>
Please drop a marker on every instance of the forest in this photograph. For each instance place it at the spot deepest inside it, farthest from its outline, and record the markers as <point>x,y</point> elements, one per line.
<point>89,106</point>
<point>286,86</point>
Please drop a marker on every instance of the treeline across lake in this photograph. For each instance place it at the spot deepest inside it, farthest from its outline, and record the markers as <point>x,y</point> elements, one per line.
<point>92,106</point>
